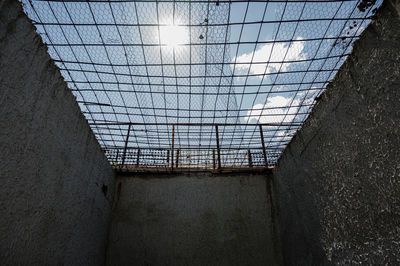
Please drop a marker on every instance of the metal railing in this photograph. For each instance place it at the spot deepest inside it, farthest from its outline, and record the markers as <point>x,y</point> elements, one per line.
<point>167,159</point>
<point>220,148</point>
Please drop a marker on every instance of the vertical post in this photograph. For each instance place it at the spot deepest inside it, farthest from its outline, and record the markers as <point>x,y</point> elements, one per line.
<point>167,158</point>
<point>213,159</point>
<point>116,157</point>
<point>263,146</point>
<point>126,144</point>
<point>172,147</point>
<point>177,159</point>
<point>137,158</point>
<point>249,158</point>
<point>218,150</point>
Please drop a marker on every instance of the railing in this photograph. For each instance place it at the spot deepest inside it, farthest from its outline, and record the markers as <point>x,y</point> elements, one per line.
<point>189,159</point>
<point>219,149</point>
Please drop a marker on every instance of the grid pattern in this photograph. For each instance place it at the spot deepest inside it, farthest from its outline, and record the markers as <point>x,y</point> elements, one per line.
<point>198,84</point>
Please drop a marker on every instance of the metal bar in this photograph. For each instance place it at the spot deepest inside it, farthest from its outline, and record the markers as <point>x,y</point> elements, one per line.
<point>199,76</point>
<point>177,158</point>
<point>172,147</point>
<point>198,25</point>
<point>205,110</point>
<point>126,145</point>
<point>149,44</point>
<point>214,159</point>
<point>218,150</point>
<point>167,158</point>
<point>202,1</point>
<point>318,88</point>
<point>116,156</point>
<point>200,148</point>
<point>263,146</point>
<point>137,158</point>
<point>192,124</point>
<point>192,86</point>
<point>249,158</point>
<point>199,64</point>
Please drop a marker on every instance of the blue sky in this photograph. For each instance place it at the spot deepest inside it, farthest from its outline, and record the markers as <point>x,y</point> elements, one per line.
<point>280,87</point>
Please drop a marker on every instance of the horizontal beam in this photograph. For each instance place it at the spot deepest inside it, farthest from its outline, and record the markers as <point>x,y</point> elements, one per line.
<point>202,64</point>
<point>197,1</point>
<point>209,147</point>
<point>199,24</point>
<point>343,37</point>
<point>195,124</point>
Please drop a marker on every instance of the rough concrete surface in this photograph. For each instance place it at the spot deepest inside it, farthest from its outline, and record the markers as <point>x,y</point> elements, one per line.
<point>196,219</point>
<point>339,179</point>
<point>56,185</point>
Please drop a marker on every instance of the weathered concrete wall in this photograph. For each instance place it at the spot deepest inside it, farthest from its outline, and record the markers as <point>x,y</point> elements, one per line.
<point>56,185</point>
<point>196,219</point>
<point>339,179</point>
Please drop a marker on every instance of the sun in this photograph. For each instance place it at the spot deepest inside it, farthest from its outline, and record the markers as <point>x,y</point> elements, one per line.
<point>173,35</point>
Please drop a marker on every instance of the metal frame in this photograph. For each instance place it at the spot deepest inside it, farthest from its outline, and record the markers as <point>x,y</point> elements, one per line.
<point>200,108</point>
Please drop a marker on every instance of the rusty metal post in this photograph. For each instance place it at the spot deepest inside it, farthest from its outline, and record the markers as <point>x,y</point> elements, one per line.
<point>116,157</point>
<point>126,145</point>
<point>218,150</point>
<point>167,158</point>
<point>263,146</point>
<point>177,159</point>
<point>213,158</point>
<point>137,158</point>
<point>172,147</point>
<point>249,158</point>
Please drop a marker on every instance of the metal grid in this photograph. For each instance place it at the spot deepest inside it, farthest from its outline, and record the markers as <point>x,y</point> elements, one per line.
<point>198,84</point>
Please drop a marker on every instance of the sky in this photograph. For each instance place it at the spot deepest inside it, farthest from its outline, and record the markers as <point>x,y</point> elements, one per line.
<point>272,81</point>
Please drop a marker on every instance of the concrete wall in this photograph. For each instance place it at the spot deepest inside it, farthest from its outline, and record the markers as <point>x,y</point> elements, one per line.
<point>339,179</point>
<point>56,186</point>
<point>196,219</point>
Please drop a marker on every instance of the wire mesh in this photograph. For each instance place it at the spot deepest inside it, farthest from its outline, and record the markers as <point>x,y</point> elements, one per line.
<point>140,68</point>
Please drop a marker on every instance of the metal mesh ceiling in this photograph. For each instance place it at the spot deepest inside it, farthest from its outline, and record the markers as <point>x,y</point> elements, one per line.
<point>188,83</point>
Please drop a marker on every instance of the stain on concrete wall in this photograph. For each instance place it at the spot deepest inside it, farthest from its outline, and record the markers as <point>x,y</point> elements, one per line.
<point>339,179</point>
<point>196,219</point>
<point>53,208</point>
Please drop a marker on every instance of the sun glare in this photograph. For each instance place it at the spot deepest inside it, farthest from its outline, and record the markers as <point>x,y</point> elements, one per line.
<point>173,35</point>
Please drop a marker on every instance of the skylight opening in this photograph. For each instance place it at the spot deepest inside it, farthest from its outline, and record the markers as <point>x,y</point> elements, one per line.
<point>198,84</point>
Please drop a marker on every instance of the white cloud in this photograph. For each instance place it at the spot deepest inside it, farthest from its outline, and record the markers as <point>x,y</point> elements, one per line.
<point>294,52</point>
<point>264,114</point>
<point>279,109</point>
